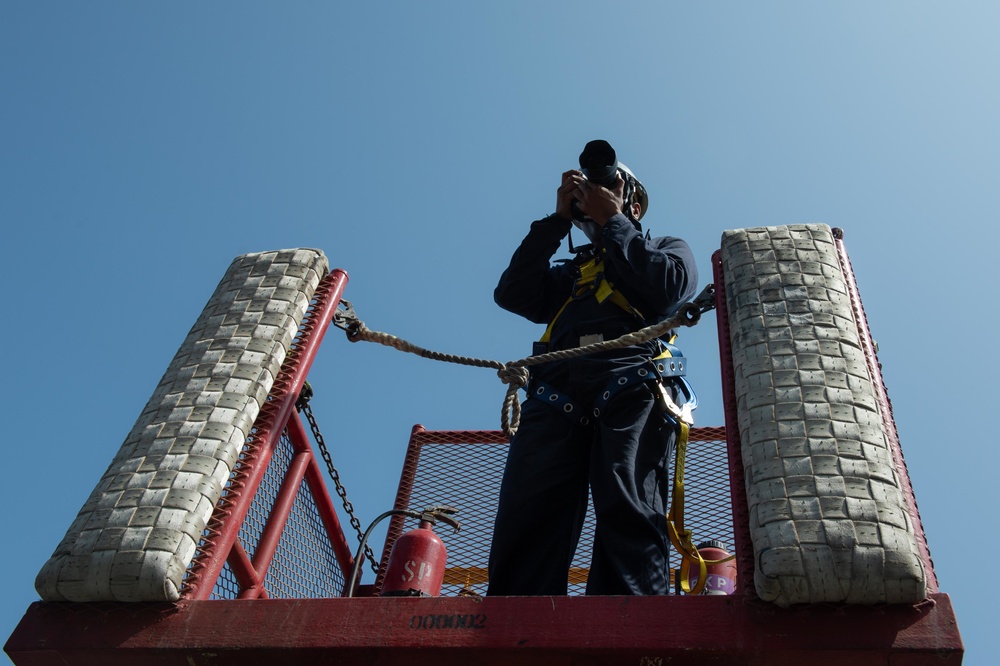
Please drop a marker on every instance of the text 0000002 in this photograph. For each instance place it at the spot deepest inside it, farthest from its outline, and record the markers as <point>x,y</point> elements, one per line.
<point>456,621</point>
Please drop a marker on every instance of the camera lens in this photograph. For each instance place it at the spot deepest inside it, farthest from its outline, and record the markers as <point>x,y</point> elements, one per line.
<point>599,163</point>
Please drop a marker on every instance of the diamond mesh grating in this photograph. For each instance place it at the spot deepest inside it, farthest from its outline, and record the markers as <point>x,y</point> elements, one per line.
<point>226,586</point>
<point>464,468</point>
<point>707,502</point>
<point>304,565</point>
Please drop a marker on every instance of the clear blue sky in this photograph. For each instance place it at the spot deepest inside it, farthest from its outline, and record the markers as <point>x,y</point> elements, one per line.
<point>144,145</point>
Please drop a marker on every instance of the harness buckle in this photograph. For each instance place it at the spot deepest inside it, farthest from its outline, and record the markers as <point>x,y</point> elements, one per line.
<point>588,288</point>
<point>683,413</point>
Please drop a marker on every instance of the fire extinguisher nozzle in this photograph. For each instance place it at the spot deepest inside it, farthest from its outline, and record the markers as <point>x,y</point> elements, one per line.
<point>433,514</point>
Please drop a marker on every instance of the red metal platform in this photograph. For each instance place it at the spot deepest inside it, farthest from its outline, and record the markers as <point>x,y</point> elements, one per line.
<point>647,631</point>
<point>242,602</point>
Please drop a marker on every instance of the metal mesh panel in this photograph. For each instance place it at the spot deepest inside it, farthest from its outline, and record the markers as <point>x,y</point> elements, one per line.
<point>708,508</point>
<point>226,586</point>
<point>464,469</point>
<point>304,565</point>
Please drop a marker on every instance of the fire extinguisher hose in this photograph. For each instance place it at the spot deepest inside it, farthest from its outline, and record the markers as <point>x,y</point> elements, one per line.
<point>358,557</point>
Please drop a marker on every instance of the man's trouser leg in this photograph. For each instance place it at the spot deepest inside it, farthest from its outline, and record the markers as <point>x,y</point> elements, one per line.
<point>542,505</point>
<point>630,485</point>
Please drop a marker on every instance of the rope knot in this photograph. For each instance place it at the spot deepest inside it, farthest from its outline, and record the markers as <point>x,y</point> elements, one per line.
<point>356,330</point>
<point>513,375</point>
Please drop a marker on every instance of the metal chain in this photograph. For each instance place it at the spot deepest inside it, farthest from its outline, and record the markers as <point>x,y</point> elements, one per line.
<point>305,408</point>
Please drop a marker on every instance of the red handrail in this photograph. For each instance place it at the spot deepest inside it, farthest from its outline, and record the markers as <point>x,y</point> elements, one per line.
<point>223,528</point>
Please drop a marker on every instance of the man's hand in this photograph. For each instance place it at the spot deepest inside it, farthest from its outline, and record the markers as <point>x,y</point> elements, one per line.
<point>571,180</point>
<point>598,202</point>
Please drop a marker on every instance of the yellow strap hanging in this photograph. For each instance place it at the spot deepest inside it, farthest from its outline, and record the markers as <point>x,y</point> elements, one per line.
<point>679,536</point>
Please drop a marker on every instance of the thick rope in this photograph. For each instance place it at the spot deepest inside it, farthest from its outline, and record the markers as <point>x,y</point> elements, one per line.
<point>515,373</point>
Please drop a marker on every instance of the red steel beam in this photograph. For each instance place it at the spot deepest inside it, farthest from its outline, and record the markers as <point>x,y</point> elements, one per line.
<point>242,567</point>
<point>276,521</point>
<point>449,631</point>
<point>737,479</point>
<point>402,502</point>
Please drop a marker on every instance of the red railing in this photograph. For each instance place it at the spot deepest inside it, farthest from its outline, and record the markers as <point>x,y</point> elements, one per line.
<point>737,479</point>
<point>889,422</point>
<point>221,546</point>
<point>435,458</point>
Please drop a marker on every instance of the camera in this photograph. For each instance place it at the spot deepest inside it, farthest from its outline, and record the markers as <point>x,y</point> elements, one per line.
<point>599,163</point>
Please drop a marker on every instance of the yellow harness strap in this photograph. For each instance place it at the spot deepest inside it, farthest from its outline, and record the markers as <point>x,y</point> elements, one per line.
<point>591,272</point>
<point>679,536</point>
<point>666,353</point>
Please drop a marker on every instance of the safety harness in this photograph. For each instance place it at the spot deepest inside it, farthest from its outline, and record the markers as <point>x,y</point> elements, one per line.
<point>668,364</point>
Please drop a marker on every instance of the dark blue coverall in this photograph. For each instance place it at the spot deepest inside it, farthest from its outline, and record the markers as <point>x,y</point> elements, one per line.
<point>624,455</point>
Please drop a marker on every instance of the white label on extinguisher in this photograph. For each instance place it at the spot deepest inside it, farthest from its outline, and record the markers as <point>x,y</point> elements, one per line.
<point>423,571</point>
<point>715,584</point>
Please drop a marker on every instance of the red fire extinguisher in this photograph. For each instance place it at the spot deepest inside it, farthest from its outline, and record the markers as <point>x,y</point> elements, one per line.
<point>721,567</point>
<point>417,561</point>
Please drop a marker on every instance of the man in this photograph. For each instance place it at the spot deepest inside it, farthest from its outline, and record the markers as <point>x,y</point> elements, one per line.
<point>598,418</point>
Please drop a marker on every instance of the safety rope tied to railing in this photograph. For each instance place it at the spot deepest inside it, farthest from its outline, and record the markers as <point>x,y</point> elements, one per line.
<point>515,374</point>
